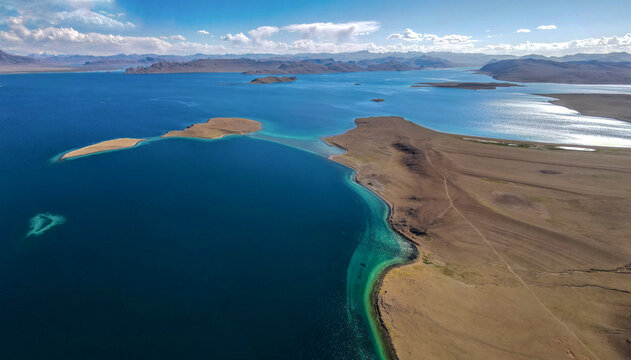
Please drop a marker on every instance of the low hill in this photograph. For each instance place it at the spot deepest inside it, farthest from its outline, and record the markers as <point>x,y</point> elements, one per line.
<point>273,79</point>
<point>547,71</point>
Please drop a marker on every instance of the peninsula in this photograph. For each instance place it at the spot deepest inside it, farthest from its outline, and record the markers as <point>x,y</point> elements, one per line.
<point>512,236</point>
<point>616,106</point>
<point>214,128</point>
<point>570,72</point>
<point>466,85</point>
<point>273,79</point>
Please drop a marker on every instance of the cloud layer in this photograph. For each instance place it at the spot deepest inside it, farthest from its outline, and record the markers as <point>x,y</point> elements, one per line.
<point>98,27</point>
<point>89,17</point>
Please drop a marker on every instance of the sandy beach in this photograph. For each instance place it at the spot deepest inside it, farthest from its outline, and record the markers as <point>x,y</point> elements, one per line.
<point>616,106</point>
<point>108,145</point>
<point>523,250</point>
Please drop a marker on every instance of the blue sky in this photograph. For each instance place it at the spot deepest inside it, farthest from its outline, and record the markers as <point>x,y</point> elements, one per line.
<point>103,27</point>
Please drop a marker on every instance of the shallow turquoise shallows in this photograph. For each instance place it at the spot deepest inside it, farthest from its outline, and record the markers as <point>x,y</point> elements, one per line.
<point>252,247</point>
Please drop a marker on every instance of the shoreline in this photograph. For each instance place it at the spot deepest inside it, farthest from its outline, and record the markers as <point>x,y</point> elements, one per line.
<point>376,296</point>
<point>375,316</point>
<point>611,106</point>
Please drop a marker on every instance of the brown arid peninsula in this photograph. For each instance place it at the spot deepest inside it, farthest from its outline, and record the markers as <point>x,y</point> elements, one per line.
<point>214,128</point>
<point>568,72</point>
<point>466,85</point>
<point>524,250</point>
<point>616,106</point>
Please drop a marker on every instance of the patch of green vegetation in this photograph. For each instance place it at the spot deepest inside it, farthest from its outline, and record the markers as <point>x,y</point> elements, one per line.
<point>444,269</point>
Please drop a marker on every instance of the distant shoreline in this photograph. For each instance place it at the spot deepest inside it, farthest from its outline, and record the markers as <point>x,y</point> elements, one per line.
<point>614,106</point>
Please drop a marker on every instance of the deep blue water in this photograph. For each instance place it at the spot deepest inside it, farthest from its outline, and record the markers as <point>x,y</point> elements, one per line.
<point>234,248</point>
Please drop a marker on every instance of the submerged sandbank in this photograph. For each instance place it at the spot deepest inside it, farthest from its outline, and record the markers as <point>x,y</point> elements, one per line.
<point>43,222</point>
<point>214,128</point>
<point>511,239</point>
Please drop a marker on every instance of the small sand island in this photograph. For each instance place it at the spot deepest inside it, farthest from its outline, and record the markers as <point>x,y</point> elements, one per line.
<point>467,85</point>
<point>273,79</point>
<point>510,238</point>
<point>615,106</point>
<point>103,146</point>
<point>214,128</point>
<point>378,100</point>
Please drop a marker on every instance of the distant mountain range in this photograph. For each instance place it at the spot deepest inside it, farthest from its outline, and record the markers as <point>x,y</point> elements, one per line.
<point>570,72</point>
<point>506,67</point>
<point>290,66</point>
<point>8,59</point>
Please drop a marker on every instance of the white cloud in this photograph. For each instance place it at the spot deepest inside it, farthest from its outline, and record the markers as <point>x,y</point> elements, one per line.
<point>256,39</point>
<point>63,40</point>
<point>603,44</point>
<point>239,39</point>
<point>523,30</point>
<point>173,37</point>
<point>339,32</point>
<point>260,34</point>
<point>202,32</point>
<point>314,36</point>
<point>410,35</point>
<point>547,27</point>
<point>88,17</point>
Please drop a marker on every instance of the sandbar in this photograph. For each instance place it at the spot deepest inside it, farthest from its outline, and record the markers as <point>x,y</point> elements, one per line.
<point>615,106</point>
<point>108,145</point>
<point>523,248</point>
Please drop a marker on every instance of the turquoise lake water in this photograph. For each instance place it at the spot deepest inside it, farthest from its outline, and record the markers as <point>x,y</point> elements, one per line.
<point>240,248</point>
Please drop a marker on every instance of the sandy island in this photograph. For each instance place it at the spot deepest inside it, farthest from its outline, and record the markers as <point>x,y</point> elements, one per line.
<point>616,106</point>
<point>467,85</point>
<point>107,145</point>
<point>214,128</point>
<point>273,79</point>
<point>524,250</point>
